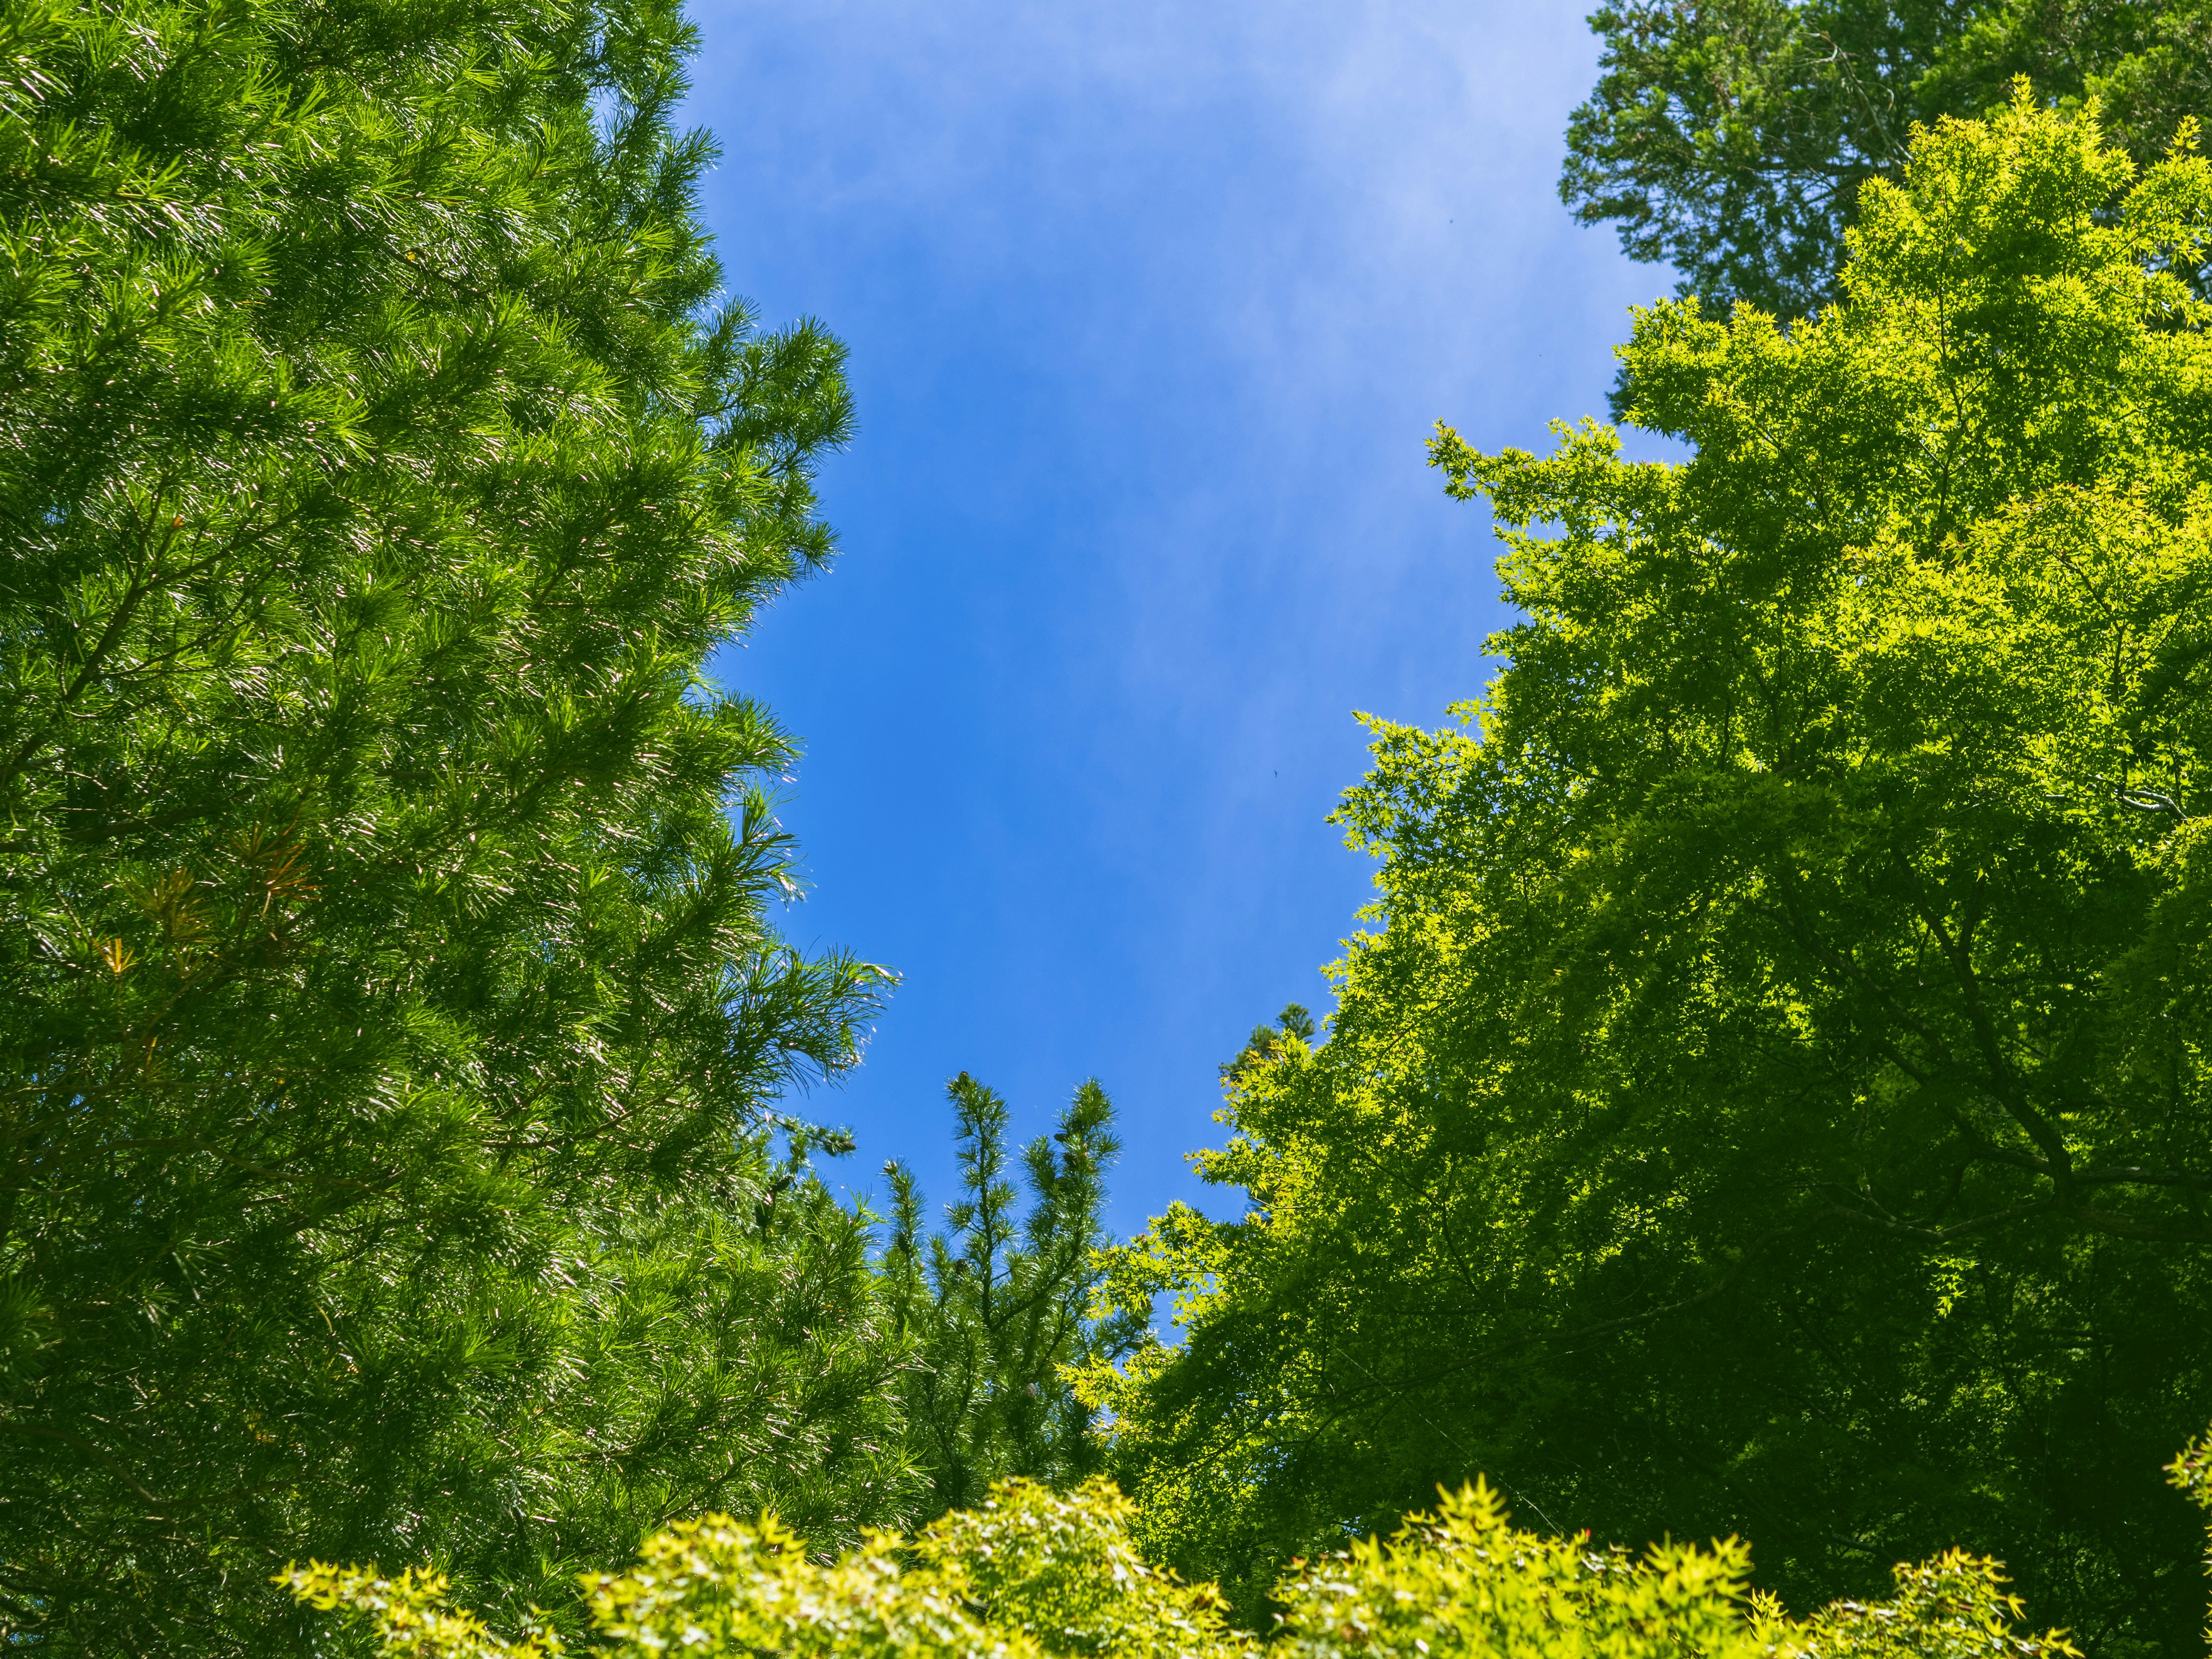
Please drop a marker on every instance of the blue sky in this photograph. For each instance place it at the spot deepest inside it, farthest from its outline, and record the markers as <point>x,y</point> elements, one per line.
<point>1151,305</point>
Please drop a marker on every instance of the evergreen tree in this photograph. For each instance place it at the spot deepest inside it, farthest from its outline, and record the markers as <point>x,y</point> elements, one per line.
<point>1266,1042</point>
<point>396,1021</point>
<point>1729,138</point>
<point>1773,1101</point>
<point>997,1305</point>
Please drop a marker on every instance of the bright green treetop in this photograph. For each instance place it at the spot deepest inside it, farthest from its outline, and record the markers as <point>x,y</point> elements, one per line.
<point>1774,1100</point>
<point>1027,1574</point>
<point>395,1018</point>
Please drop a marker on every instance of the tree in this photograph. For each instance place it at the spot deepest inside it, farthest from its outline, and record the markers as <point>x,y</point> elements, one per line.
<point>1773,1102</point>
<point>1730,137</point>
<point>396,1023</point>
<point>997,1306</point>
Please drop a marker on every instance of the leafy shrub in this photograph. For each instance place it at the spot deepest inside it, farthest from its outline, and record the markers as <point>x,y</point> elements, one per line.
<point>1032,1574</point>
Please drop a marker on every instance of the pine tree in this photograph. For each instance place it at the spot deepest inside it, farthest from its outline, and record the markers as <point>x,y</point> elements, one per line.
<point>1267,1041</point>
<point>396,1024</point>
<point>998,1303</point>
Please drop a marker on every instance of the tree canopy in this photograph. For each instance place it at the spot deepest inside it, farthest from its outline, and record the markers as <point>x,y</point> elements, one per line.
<point>1771,1100</point>
<point>397,1020</point>
<point>1729,138</point>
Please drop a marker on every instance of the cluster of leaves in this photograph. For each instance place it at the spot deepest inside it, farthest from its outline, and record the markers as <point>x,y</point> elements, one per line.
<point>997,1305</point>
<point>1028,1574</point>
<point>1730,138</point>
<point>2192,1473</point>
<point>1775,1100</point>
<point>1267,1041</point>
<point>1034,1576</point>
<point>1464,1581</point>
<point>388,1162</point>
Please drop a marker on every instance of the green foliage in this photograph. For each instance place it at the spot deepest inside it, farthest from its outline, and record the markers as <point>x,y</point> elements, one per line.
<point>2191,1473</point>
<point>395,1017</point>
<point>1954,1606</point>
<point>1062,1572</point>
<point>1463,1581</point>
<point>1028,1575</point>
<point>1773,1102</point>
<point>1031,1574</point>
<point>1730,138</point>
<point>997,1306</point>
<point>1267,1041</point>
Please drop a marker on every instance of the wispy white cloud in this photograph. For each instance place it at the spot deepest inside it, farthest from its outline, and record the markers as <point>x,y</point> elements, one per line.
<point>1153,304</point>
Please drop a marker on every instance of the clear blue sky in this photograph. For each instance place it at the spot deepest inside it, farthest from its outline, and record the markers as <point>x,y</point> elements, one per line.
<point>1151,305</point>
